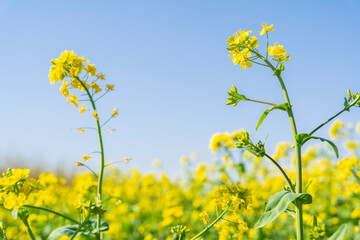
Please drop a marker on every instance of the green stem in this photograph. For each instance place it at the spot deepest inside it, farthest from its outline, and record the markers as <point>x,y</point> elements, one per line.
<point>268,103</point>
<point>78,229</point>
<point>347,108</point>
<point>54,212</point>
<point>102,163</point>
<point>211,224</point>
<point>299,212</point>
<point>282,171</point>
<point>24,220</point>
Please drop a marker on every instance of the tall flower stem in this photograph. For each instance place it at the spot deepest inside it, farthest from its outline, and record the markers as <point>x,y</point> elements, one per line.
<point>102,163</point>
<point>299,212</point>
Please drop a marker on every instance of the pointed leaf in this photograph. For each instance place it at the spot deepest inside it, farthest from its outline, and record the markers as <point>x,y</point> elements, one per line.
<point>283,106</point>
<point>340,233</point>
<point>302,138</point>
<point>278,204</point>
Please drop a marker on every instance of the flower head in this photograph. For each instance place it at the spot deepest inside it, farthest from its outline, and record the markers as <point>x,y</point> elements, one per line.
<point>278,52</point>
<point>266,29</point>
<point>86,157</point>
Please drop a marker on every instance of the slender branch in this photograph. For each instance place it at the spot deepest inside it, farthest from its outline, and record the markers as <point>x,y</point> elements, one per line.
<point>337,114</point>
<point>268,103</point>
<point>106,121</point>
<point>52,211</point>
<point>258,63</point>
<point>327,121</point>
<point>282,171</point>
<point>92,172</point>
<point>212,224</point>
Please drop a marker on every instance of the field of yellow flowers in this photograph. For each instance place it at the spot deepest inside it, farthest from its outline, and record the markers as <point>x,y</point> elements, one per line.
<point>245,194</point>
<point>146,206</point>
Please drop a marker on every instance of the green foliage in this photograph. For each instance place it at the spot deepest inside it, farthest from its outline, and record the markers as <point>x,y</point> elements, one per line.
<point>283,106</point>
<point>88,228</point>
<point>278,204</point>
<point>340,233</point>
<point>302,138</point>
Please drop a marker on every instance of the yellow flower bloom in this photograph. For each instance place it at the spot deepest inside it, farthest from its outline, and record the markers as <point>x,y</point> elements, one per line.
<point>73,99</point>
<point>90,69</point>
<point>86,157</point>
<point>109,87</point>
<point>266,29</point>
<point>126,160</point>
<point>13,201</point>
<point>78,164</point>
<point>81,130</point>
<point>95,115</point>
<point>95,87</point>
<point>82,110</point>
<point>204,217</point>
<point>278,52</point>
<point>337,129</point>
<point>100,76</point>
<point>64,89</point>
<point>114,113</point>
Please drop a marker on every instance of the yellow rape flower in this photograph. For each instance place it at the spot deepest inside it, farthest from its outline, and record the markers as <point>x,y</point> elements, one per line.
<point>91,69</point>
<point>69,64</point>
<point>109,87</point>
<point>73,99</point>
<point>241,57</point>
<point>82,110</point>
<point>358,127</point>
<point>278,52</point>
<point>114,113</point>
<point>81,130</point>
<point>100,76</point>
<point>266,29</point>
<point>64,89</point>
<point>204,217</point>
<point>95,115</point>
<point>95,87</point>
<point>86,157</point>
<point>337,129</point>
<point>13,201</point>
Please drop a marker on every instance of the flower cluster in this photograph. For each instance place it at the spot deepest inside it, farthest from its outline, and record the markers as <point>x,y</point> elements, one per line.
<point>67,69</point>
<point>15,187</point>
<point>239,197</point>
<point>278,52</point>
<point>240,47</point>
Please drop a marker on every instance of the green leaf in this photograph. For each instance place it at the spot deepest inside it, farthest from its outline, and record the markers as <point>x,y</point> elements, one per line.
<point>92,225</point>
<point>340,233</point>
<point>278,204</point>
<point>283,106</point>
<point>302,138</point>
<point>68,230</point>
<point>88,229</point>
<point>291,213</point>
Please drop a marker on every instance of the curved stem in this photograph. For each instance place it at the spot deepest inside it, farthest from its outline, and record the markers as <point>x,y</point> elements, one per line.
<point>24,220</point>
<point>299,212</point>
<point>282,171</point>
<point>102,163</point>
<point>54,212</point>
<point>211,224</point>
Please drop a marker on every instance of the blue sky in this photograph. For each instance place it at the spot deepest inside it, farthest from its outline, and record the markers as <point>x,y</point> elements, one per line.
<point>169,64</point>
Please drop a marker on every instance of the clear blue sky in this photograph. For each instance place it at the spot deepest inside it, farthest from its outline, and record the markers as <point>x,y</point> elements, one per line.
<point>169,64</point>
